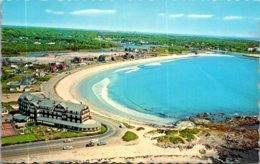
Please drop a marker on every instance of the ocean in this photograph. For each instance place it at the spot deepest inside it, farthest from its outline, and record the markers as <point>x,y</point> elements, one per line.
<point>171,90</point>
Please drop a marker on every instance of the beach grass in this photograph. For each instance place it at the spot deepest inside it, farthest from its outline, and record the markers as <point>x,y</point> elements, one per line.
<point>188,133</point>
<point>129,136</point>
<point>140,128</point>
<point>175,136</point>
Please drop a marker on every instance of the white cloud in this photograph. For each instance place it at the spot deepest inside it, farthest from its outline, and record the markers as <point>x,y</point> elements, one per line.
<point>92,12</point>
<point>54,12</point>
<point>162,14</point>
<point>176,15</point>
<point>199,16</point>
<point>232,18</point>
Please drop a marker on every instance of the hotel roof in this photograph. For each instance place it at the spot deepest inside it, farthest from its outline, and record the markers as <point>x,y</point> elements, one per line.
<point>44,102</point>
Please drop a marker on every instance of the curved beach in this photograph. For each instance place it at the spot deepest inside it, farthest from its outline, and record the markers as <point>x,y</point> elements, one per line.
<point>68,87</point>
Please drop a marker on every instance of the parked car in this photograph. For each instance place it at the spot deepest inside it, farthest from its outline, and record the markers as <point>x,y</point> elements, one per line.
<point>90,144</point>
<point>67,140</point>
<point>100,143</point>
<point>67,147</point>
<point>121,126</point>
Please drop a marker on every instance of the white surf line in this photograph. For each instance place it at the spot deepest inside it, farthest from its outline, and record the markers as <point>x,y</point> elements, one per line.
<point>153,64</point>
<point>100,89</point>
<point>133,70</point>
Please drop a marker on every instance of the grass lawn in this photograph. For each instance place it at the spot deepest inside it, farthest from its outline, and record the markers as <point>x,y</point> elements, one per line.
<point>70,134</point>
<point>7,105</point>
<point>45,78</point>
<point>38,133</point>
<point>129,136</point>
<point>19,139</point>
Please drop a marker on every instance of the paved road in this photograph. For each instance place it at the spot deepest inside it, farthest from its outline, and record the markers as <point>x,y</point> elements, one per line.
<point>56,145</point>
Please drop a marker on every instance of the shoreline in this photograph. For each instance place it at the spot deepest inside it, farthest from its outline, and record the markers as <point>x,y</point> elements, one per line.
<point>203,149</point>
<point>69,91</point>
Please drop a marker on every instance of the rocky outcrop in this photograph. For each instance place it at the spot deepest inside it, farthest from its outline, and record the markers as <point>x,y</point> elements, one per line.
<point>242,121</point>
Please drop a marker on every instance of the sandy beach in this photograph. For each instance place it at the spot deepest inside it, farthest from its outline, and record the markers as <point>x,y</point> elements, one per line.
<point>68,88</point>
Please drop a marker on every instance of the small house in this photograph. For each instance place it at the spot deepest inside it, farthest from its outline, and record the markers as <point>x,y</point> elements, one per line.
<point>14,66</point>
<point>53,67</point>
<point>129,56</point>
<point>251,48</point>
<point>26,83</point>
<point>62,66</point>
<point>76,60</point>
<point>40,74</point>
<point>51,43</point>
<point>104,58</point>
<point>29,64</point>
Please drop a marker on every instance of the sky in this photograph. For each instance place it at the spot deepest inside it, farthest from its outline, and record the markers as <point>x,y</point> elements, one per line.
<point>235,18</point>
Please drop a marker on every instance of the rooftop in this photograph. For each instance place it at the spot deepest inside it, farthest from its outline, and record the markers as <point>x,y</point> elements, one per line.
<point>20,117</point>
<point>44,102</point>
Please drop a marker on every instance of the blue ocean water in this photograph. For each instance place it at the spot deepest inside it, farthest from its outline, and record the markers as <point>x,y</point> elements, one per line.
<point>179,88</point>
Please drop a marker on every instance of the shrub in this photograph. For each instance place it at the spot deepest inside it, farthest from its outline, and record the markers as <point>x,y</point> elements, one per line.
<point>129,136</point>
<point>140,128</point>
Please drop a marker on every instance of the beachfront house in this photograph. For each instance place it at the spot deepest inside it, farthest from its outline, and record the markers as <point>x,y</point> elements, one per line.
<point>62,66</point>
<point>104,58</point>
<point>253,49</point>
<point>76,60</point>
<point>51,68</point>
<point>60,114</point>
<point>129,56</point>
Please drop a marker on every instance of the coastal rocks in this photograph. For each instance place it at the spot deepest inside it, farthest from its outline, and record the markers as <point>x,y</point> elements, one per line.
<point>245,139</point>
<point>242,133</point>
<point>200,121</point>
<point>202,151</point>
<point>180,125</point>
<point>234,138</point>
<point>205,118</point>
<point>242,121</point>
<point>228,157</point>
